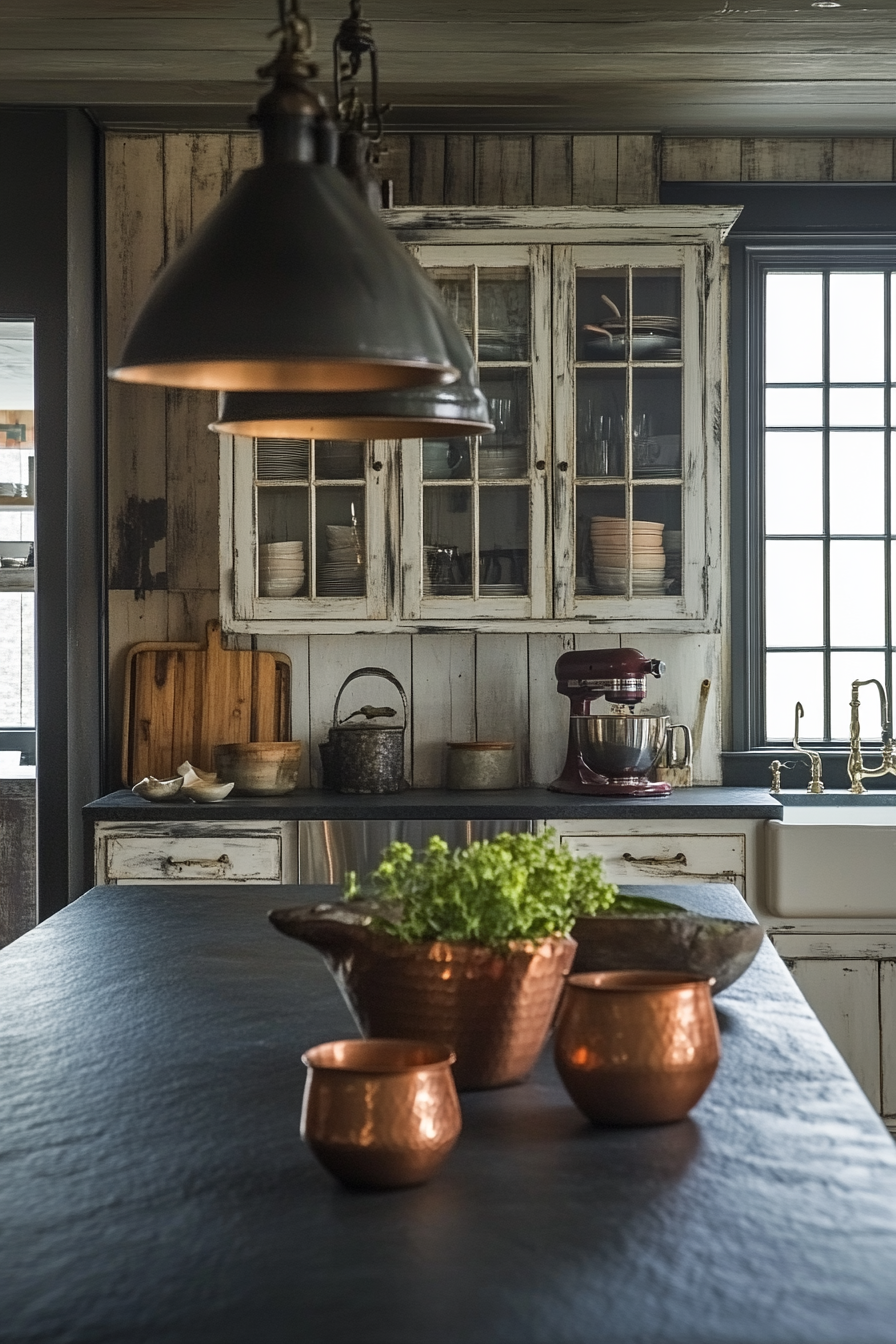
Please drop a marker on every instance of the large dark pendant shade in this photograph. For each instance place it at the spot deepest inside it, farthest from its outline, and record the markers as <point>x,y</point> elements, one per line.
<point>291,282</point>
<point>408,413</point>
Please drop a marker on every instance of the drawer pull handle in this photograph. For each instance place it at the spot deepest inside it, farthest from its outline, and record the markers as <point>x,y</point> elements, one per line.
<point>222,862</point>
<point>656,858</point>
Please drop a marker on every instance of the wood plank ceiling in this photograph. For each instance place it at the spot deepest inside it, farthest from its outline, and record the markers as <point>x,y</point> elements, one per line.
<point>685,67</point>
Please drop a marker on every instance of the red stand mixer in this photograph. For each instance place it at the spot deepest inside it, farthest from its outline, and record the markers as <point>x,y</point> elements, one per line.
<point>609,755</point>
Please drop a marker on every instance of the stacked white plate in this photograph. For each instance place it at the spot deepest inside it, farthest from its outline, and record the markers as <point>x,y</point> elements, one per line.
<point>342,573</point>
<point>502,462</point>
<point>281,568</point>
<point>281,459</point>
<point>609,538</point>
<point>501,589</point>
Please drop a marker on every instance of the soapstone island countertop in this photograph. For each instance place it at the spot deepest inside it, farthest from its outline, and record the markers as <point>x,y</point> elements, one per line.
<point>154,1188</point>
<point>445,805</point>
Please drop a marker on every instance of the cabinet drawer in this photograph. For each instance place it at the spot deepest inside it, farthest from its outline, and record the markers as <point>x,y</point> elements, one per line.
<point>226,857</point>
<point>666,858</point>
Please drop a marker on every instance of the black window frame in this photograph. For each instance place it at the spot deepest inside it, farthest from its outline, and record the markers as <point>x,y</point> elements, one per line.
<point>785,223</point>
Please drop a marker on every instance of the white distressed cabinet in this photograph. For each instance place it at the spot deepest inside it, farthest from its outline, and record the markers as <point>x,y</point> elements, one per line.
<point>599,340</point>
<point>127,853</point>
<point>849,980</point>
<point>676,852</point>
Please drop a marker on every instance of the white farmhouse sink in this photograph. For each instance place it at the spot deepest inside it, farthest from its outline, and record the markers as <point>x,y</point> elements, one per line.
<point>833,861</point>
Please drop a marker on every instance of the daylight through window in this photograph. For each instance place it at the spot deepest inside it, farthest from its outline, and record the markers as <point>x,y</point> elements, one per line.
<point>830,582</point>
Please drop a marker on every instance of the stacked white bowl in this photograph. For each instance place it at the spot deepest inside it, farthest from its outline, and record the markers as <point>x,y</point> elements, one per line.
<point>281,568</point>
<point>342,573</point>
<point>608,544</point>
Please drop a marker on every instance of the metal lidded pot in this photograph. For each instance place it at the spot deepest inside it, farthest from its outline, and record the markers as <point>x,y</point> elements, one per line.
<point>365,757</point>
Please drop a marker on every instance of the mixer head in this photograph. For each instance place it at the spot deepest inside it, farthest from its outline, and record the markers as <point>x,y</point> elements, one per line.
<point>620,675</point>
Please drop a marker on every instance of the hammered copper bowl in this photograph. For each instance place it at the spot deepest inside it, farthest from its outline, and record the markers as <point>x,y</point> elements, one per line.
<point>492,1007</point>
<point>380,1113</point>
<point>636,1047</point>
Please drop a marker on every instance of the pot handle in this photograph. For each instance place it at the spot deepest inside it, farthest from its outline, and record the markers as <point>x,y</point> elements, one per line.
<point>683,764</point>
<point>371,672</point>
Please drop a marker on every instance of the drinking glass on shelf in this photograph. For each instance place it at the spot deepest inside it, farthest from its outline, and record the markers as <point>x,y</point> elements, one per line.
<point>640,436</point>
<point>500,410</point>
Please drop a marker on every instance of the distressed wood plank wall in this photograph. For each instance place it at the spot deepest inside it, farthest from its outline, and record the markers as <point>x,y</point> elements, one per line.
<point>162,461</point>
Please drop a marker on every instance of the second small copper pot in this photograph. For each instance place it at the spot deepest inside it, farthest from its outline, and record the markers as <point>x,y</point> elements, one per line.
<point>380,1113</point>
<point>636,1047</point>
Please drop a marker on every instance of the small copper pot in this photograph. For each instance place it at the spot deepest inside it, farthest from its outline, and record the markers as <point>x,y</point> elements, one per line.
<point>380,1113</point>
<point>636,1047</point>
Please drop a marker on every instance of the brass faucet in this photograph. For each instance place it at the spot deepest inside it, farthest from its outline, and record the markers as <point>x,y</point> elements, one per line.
<point>815,784</point>
<point>855,766</point>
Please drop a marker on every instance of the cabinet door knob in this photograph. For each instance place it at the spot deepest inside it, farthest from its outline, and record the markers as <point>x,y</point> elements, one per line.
<point>377,466</point>
<point>564,466</point>
<point>539,465</point>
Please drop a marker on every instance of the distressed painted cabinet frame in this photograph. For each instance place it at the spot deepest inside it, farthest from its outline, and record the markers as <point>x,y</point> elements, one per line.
<point>553,245</point>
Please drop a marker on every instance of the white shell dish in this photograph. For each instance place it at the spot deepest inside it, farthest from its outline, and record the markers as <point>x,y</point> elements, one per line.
<point>158,790</point>
<point>204,791</point>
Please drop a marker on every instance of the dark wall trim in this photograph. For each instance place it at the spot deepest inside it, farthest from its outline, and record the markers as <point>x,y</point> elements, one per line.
<point>48,272</point>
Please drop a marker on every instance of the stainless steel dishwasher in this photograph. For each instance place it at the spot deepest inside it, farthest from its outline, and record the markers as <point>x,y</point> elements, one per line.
<point>330,849</point>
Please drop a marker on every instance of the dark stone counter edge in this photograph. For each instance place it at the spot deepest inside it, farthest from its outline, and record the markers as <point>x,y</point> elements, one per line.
<point>439,804</point>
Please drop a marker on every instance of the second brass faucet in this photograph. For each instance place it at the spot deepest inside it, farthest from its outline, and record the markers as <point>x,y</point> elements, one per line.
<point>815,784</point>
<point>855,766</point>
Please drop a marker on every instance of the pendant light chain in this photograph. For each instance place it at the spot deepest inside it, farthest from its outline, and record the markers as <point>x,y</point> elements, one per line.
<point>296,34</point>
<point>354,40</point>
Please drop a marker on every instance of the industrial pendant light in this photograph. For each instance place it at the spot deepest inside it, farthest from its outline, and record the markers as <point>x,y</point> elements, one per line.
<point>291,282</point>
<point>418,412</point>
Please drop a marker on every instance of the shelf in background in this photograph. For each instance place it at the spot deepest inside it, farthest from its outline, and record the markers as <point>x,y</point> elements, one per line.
<point>17,580</point>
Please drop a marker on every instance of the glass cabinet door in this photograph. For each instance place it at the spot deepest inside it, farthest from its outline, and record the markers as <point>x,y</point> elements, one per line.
<point>474,506</point>
<point>311,505</point>
<point>629,432</point>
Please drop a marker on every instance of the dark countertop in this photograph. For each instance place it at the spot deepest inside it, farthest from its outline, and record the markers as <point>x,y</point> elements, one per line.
<point>444,805</point>
<point>154,1189</point>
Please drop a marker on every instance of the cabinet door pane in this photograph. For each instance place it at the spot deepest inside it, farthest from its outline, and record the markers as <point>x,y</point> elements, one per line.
<point>503,327</point>
<point>600,422</point>
<point>656,314</point>
<point>447,459</point>
<point>505,453</point>
<point>447,541</point>
<point>339,540</point>
<point>456,287</point>
<point>311,540</point>
<point>480,498</point>
<point>504,541</point>
<point>629,431</point>
<point>656,422</point>
<point>283,531</point>
<point>601,308</point>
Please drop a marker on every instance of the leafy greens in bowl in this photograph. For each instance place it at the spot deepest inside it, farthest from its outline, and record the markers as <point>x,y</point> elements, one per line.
<point>515,888</point>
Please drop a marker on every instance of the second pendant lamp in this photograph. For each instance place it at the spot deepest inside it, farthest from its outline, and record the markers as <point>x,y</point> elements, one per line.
<point>417,412</point>
<point>291,282</point>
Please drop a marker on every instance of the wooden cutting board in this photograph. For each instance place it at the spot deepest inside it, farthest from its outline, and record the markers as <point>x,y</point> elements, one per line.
<point>182,700</point>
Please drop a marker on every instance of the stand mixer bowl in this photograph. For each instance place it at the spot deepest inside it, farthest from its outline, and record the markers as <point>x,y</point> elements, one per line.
<point>620,744</point>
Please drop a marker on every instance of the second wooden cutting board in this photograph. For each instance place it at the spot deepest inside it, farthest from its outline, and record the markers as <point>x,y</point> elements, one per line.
<point>183,700</point>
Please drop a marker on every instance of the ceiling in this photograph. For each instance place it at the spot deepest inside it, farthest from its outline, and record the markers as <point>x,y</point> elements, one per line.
<point>701,67</point>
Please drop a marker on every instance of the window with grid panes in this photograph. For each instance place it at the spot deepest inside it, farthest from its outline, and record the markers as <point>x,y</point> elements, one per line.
<point>829,543</point>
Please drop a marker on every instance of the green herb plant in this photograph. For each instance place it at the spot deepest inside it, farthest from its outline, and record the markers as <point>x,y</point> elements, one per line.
<point>513,888</point>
